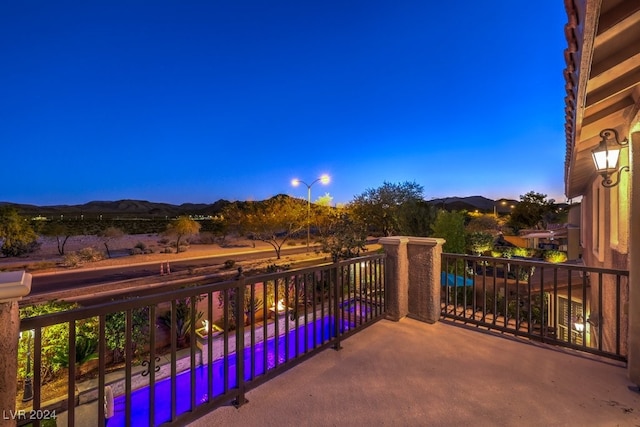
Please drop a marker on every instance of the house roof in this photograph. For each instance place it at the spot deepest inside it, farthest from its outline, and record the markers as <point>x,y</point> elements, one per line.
<point>602,78</point>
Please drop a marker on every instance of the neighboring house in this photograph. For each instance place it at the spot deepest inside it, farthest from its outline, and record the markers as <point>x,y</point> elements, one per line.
<point>602,105</point>
<point>553,238</point>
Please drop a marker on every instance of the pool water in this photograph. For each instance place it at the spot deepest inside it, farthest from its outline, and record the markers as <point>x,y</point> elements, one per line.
<point>324,331</point>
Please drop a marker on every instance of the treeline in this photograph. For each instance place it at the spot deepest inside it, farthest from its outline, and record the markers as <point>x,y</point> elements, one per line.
<point>391,209</point>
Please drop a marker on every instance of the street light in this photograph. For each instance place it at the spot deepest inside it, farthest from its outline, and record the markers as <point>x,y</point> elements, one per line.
<point>495,208</point>
<point>324,179</point>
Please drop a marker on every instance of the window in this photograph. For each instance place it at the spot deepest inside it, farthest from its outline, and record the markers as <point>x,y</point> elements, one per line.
<point>566,320</point>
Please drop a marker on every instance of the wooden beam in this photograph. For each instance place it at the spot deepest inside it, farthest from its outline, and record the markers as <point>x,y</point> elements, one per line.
<point>617,120</point>
<point>615,65</point>
<point>626,16</point>
<point>621,84</point>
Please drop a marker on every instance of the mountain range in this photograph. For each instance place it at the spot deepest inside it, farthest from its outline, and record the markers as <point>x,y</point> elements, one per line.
<point>142,208</point>
<point>121,208</point>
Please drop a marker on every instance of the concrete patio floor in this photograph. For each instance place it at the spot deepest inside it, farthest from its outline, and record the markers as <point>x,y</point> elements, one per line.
<point>409,373</point>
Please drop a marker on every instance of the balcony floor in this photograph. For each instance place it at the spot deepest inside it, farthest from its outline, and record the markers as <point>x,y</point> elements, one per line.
<point>412,373</point>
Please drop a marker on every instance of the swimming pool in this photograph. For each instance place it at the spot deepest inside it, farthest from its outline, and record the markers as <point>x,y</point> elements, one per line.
<point>324,330</point>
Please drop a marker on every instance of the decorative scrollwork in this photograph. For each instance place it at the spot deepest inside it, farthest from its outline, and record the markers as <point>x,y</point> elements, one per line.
<point>607,180</point>
<point>612,134</point>
<point>148,363</point>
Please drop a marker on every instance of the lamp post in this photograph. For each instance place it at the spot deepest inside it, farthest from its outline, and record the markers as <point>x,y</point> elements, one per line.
<point>27,393</point>
<point>495,207</point>
<point>324,179</point>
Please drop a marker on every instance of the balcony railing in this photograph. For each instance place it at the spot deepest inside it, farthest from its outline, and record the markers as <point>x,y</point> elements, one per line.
<point>168,358</point>
<point>568,305</point>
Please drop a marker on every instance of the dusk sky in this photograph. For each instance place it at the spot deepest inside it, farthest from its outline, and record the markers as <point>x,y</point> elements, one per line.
<point>195,101</point>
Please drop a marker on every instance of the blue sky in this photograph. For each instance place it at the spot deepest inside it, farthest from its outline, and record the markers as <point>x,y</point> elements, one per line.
<point>194,101</point>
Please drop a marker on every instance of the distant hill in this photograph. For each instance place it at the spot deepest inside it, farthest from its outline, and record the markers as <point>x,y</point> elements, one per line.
<point>471,203</point>
<point>121,208</point>
<point>144,209</point>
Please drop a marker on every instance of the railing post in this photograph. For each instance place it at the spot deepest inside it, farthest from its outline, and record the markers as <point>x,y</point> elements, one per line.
<point>424,269</point>
<point>239,306</point>
<point>396,276</point>
<point>13,286</point>
<point>337,287</point>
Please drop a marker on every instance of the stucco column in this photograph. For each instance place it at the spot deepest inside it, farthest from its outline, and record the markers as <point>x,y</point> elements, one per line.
<point>396,276</point>
<point>13,286</point>
<point>634,262</point>
<point>424,255</point>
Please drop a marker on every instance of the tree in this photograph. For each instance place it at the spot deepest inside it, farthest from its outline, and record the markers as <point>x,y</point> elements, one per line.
<point>380,209</point>
<point>483,223</point>
<point>531,211</point>
<point>416,218</point>
<point>274,221</point>
<point>60,231</point>
<point>341,236</point>
<point>232,219</point>
<point>108,235</point>
<point>182,227</point>
<point>18,235</point>
<point>324,200</point>
<point>450,226</point>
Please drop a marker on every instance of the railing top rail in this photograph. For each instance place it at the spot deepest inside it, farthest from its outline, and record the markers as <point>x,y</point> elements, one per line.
<point>160,296</point>
<point>533,263</point>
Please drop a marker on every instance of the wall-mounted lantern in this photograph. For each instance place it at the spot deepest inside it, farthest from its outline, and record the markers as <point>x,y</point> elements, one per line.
<point>606,155</point>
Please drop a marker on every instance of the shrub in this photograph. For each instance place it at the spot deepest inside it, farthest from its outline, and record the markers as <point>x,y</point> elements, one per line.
<point>141,246</point>
<point>228,264</point>
<point>274,268</point>
<point>90,255</point>
<point>135,251</point>
<point>55,338</point>
<point>115,328</point>
<point>168,250</point>
<point>163,241</point>
<point>72,260</point>
<point>86,350</point>
<point>19,248</point>
<point>502,252</point>
<point>182,320</point>
<point>479,242</point>
<point>522,252</point>
<point>555,256</point>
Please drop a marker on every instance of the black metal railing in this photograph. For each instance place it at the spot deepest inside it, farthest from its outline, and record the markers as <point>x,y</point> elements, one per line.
<point>563,304</point>
<point>168,358</point>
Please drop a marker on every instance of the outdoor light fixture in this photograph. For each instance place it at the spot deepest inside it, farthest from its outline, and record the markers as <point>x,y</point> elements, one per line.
<point>579,324</point>
<point>27,393</point>
<point>606,154</point>
<point>324,179</point>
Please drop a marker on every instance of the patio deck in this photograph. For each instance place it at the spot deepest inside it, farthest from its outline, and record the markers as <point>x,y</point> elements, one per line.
<point>412,373</point>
